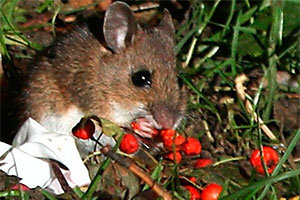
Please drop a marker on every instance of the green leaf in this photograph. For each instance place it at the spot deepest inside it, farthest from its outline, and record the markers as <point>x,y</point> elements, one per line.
<point>247,45</point>
<point>276,30</point>
<point>109,128</point>
<point>247,30</point>
<point>245,17</point>
<point>155,174</point>
<point>263,21</point>
<point>291,16</point>
<point>45,5</point>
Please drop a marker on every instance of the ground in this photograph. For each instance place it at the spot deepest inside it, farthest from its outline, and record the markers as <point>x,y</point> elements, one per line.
<point>238,61</point>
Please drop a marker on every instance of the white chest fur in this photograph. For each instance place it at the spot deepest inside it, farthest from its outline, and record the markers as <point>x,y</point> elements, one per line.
<point>62,123</point>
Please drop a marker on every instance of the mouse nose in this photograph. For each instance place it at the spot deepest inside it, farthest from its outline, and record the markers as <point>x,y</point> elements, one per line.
<point>165,115</point>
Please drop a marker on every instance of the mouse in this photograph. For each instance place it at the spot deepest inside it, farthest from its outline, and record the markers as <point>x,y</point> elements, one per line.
<point>129,75</point>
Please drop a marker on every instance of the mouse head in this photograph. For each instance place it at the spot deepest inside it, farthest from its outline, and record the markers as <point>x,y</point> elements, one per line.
<point>142,70</point>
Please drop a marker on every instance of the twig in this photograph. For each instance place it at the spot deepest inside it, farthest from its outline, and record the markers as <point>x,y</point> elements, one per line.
<point>62,180</point>
<point>240,89</point>
<point>207,131</point>
<point>160,191</point>
<point>293,96</point>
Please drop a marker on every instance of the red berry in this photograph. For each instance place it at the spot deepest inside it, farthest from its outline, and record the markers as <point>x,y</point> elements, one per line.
<point>194,192</point>
<point>167,136</point>
<point>203,162</point>
<point>20,186</point>
<point>270,158</point>
<point>168,139</point>
<point>167,133</point>
<point>192,146</point>
<point>85,132</point>
<point>211,192</point>
<point>179,140</point>
<point>129,144</point>
<point>177,154</point>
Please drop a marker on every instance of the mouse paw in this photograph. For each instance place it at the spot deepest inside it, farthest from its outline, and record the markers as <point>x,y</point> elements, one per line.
<point>144,128</point>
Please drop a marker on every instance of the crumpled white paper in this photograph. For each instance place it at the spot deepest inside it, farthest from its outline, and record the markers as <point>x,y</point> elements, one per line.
<point>33,146</point>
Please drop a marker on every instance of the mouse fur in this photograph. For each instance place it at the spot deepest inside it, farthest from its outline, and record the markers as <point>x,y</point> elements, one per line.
<point>81,76</point>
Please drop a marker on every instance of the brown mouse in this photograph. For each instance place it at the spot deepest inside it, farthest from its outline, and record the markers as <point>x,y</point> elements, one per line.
<point>132,75</point>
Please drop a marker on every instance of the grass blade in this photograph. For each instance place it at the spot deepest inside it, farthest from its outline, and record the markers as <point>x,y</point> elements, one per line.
<point>262,183</point>
<point>284,158</point>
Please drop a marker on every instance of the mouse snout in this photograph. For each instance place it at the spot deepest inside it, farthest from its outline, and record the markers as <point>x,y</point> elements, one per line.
<point>166,116</point>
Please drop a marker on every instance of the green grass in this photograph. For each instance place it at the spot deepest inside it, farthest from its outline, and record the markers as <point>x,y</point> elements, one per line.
<point>263,26</point>
<point>219,41</point>
<point>10,34</point>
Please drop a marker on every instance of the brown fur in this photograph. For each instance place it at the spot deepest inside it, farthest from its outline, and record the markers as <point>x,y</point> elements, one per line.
<point>82,72</point>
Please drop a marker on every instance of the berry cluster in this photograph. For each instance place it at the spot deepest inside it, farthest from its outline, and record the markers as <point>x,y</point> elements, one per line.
<point>189,146</point>
<point>177,145</point>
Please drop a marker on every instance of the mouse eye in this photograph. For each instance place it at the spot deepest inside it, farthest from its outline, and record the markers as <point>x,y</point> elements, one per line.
<point>141,78</point>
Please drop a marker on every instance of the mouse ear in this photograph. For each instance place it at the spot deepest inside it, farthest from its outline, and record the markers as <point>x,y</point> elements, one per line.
<point>119,26</point>
<point>166,24</point>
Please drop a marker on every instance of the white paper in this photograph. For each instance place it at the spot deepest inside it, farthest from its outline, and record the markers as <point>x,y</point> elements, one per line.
<point>32,145</point>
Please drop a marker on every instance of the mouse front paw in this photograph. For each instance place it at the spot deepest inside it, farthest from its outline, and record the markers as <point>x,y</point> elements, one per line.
<point>144,128</point>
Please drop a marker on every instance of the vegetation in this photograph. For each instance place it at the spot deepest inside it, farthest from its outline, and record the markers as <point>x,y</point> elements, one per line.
<point>240,63</point>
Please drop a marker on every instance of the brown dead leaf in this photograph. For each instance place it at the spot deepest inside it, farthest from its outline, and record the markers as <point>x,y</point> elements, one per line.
<point>117,181</point>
